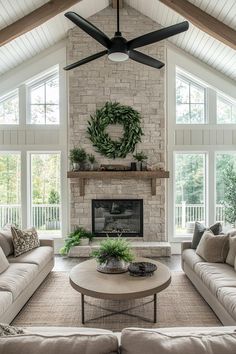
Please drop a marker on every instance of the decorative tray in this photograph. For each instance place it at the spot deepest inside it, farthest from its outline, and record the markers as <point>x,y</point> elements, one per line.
<point>142,269</point>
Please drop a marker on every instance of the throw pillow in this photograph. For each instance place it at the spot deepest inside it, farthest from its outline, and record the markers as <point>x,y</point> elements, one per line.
<point>6,242</point>
<point>24,240</point>
<point>6,330</point>
<point>4,264</point>
<point>213,248</point>
<point>232,248</point>
<point>199,230</point>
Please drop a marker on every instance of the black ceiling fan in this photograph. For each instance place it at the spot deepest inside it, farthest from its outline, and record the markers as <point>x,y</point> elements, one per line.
<point>118,48</point>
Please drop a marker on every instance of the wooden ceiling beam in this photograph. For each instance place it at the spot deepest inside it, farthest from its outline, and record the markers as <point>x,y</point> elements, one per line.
<point>114,4</point>
<point>34,19</point>
<point>203,21</point>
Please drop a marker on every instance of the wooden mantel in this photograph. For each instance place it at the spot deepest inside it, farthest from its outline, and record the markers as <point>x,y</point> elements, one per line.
<point>83,175</point>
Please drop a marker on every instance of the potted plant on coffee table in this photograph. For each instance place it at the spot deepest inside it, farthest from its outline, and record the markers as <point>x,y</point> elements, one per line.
<point>78,158</point>
<point>79,237</point>
<point>113,255</point>
<point>140,157</point>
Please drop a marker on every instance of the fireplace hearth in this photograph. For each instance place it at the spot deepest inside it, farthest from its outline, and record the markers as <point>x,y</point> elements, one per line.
<point>117,217</point>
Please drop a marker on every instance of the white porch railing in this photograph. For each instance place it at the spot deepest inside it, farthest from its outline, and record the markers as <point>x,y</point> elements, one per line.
<point>44,216</point>
<point>185,213</point>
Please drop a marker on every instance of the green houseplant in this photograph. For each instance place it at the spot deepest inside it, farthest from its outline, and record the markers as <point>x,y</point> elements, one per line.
<point>92,161</point>
<point>78,158</point>
<point>140,157</point>
<point>76,238</point>
<point>113,256</point>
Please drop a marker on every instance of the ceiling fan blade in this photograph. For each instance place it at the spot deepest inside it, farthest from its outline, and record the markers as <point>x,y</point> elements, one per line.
<point>158,35</point>
<point>89,28</point>
<point>86,60</point>
<point>145,59</point>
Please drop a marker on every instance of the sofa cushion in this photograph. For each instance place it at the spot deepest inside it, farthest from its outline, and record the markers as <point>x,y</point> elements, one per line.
<point>6,242</point>
<point>24,240</point>
<point>216,275</point>
<point>7,330</point>
<point>17,277</point>
<point>4,264</point>
<point>232,248</point>
<point>5,301</point>
<point>39,256</point>
<point>69,344</point>
<point>227,297</point>
<point>152,341</point>
<point>213,248</point>
<point>199,230</point>
<point>191,257</point>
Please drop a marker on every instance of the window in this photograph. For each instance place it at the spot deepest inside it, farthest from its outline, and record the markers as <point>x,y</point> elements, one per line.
<point>190,101</point>
<point>9,108</point>
<point>226,110</point>
<point>190,200</point>
<point>10,188</point>
<point>44,100</point>
<point>45,192</point>
<point>225,208</point>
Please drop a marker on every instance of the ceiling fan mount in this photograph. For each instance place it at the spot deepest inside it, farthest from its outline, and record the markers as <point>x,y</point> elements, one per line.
<point>118,48</point>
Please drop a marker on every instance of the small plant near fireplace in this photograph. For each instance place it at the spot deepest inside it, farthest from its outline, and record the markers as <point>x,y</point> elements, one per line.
<point>76,238</point>
<point>140,157</point>
<point>78,158</point>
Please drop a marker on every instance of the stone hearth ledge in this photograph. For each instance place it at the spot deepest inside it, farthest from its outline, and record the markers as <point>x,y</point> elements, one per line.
<point>140,248</point>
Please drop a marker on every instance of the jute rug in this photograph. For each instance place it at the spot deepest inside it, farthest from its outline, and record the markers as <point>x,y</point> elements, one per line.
<point>56,303</point>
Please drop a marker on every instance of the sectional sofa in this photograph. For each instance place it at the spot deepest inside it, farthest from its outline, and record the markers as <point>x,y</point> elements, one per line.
<point>22,277</point>
<point>216,282</point>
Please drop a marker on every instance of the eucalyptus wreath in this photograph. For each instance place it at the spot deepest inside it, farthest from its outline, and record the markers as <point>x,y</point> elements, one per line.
<point>115,113</point>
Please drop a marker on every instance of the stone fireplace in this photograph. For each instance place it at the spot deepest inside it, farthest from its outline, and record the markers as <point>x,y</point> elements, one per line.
<point>117,217</point>
<point>129,83</point>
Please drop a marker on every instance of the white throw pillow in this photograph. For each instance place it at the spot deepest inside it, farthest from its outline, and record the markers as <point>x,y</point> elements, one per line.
<point>4,264</point>
<point>232,248</point>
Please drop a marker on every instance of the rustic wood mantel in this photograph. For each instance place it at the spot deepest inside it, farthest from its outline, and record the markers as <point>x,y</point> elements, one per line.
<point>83,175</point>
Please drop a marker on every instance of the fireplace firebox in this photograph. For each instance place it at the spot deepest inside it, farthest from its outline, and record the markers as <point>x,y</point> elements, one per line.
<point>117,217</point>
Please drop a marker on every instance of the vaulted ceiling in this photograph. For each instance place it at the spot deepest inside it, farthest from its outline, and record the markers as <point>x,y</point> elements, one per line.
<point>194,41</point>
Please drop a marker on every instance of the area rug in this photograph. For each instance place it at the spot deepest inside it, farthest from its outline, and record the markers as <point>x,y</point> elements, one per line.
<point>56,303</point>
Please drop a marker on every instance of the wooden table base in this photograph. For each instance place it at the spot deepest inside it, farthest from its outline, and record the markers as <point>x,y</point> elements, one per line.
<point>123,312</point>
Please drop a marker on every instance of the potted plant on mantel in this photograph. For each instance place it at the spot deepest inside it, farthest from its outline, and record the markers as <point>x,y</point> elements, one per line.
<point>78,158</point>
<point>140,157</point>
<point>79,237</point>
<point>113,256</point>
<point>92,161</point>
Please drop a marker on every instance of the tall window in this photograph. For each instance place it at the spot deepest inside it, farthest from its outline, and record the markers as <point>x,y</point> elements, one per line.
<point>226,187</point>
<point>9,108</point>
<point>44,100</point>
<point>190,200</point>
<point>190,101</point>
<point>45,192</point>
<point>226,110</point>
<point>10,188</point>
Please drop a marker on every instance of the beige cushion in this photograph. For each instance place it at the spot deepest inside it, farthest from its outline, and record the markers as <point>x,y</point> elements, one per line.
<point>191,257</point>
<point>17,277</point>
<point>6,242</point>
<point>40,256</point>
<point>4,264</point>
<point>5,301</point>
<point>24,240</point>
<point>232,248</point>
<point>216,275</point>
<point>227,296</point>
<point>69,344</point>
<point>137,341</point>
<point>213,248</point>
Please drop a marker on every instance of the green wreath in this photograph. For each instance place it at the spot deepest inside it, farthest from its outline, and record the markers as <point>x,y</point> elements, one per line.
<point>115,113</point>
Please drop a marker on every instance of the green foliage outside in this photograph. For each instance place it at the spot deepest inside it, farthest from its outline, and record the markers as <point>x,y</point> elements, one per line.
<point>74,238</point>
<point>10,179</point>
<point>117,248</point>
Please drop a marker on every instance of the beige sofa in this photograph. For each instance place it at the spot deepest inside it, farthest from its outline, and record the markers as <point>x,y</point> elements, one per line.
<point>61,340</point>
<point>23,276</point>
<point>216,282</point>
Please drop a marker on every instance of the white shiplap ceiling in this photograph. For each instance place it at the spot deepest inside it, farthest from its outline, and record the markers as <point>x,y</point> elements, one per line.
<point>194,41</point>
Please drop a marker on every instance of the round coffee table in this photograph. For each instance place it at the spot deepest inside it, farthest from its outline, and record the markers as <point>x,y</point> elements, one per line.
<point>85,279</point>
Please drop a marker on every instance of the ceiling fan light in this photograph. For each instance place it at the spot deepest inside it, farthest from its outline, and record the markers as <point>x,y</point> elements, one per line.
<point>118,56</point>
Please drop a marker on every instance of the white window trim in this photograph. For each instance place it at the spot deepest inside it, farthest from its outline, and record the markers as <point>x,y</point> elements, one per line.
<point>228,100</point>
<point>6,96</point>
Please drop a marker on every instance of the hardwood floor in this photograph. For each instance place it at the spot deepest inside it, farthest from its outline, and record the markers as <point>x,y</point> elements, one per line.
<point>65,264</point>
